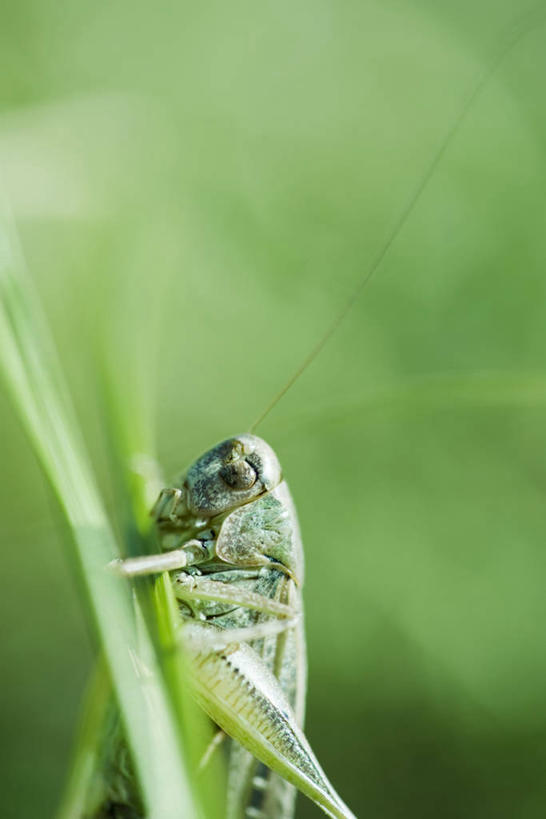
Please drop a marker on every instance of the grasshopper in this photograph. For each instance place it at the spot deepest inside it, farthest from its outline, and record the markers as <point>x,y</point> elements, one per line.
<point>230,536</point>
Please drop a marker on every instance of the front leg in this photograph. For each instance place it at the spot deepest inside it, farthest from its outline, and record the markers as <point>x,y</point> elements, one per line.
<point>168,505</point>
<point>190,554</point>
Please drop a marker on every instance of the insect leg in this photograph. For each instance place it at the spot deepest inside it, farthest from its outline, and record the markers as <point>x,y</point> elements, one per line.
<point>166,506</point>
<point>215,743</point>
<point>206,639</point>
<point>246,700</point>
<point>187,588</point>
<point>192,552</point>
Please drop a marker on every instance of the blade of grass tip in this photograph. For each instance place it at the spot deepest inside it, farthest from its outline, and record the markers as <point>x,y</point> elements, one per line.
<point>126,352</point>
<point>35,383</point>
<point>133,467</point>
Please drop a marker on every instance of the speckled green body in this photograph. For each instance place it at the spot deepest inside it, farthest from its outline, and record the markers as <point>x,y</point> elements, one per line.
<point>230,538</point>
<point>234,503</point>
<point>265,526</point>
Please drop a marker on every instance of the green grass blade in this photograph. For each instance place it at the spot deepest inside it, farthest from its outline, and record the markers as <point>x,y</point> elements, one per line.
<point>35,383</point>
<point>87,749</point>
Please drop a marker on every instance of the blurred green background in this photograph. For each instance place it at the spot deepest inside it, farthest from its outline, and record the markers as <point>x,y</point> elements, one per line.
<point>198,187</point>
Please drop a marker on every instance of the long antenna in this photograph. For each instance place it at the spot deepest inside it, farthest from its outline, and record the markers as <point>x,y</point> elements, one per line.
<point>402,218</point>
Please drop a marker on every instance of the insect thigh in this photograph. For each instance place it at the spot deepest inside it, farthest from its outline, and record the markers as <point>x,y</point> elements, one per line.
<point>239,692</point>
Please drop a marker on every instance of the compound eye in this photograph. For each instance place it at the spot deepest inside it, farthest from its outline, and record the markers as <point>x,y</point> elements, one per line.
<point>238,475</point>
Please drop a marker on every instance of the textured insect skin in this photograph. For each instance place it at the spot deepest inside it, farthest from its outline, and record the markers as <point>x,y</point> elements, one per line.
<point>232,514</point>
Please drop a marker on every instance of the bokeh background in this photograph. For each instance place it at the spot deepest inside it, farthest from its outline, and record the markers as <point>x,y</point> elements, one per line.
<point>197,188</point>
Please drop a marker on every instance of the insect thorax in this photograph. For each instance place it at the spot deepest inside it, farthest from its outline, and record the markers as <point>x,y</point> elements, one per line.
<point>263,533</point>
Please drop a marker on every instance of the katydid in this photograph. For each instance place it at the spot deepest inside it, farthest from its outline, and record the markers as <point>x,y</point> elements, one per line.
<point>230,535</point>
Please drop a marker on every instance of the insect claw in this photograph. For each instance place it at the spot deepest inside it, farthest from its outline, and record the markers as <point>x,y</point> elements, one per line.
<point>116,567</point>
<point>167,505</point>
